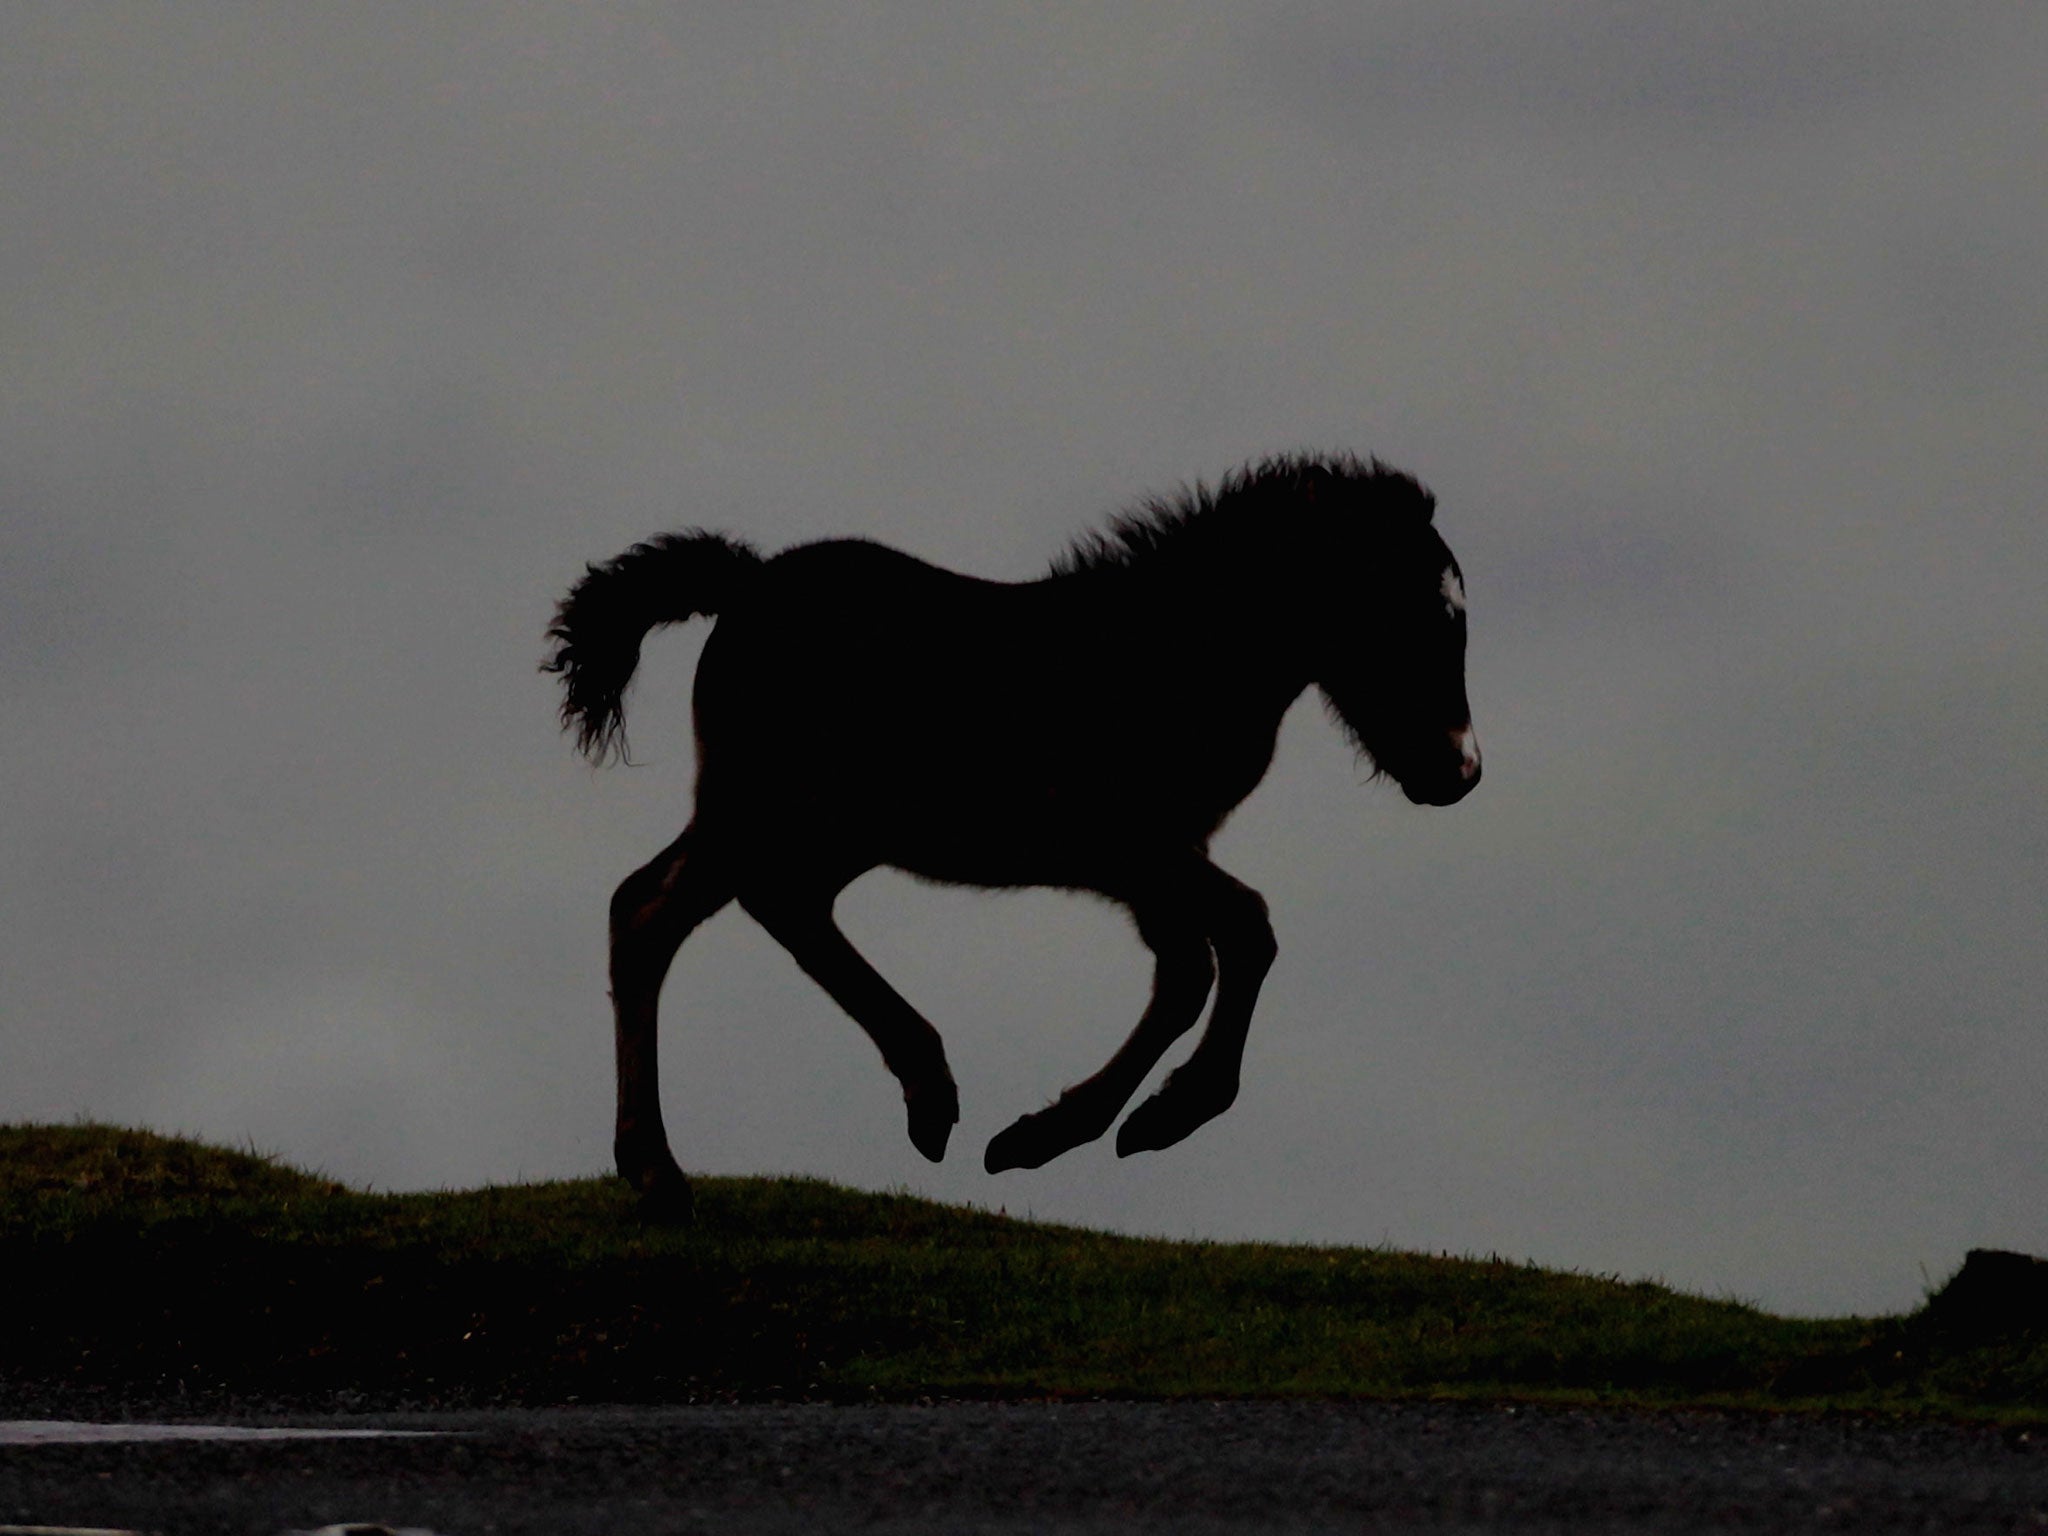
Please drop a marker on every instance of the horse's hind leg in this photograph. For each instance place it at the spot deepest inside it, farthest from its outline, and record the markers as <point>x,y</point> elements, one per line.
<point>1181,977</point>
<point>800,920</point>
<point>653,911</point>
<point>1205,1085</point>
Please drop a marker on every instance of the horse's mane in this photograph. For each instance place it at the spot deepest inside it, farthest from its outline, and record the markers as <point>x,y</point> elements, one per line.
<point>1263,501</point>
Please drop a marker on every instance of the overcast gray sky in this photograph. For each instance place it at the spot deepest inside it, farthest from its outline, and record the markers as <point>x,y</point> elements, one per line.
<point>337,338</point>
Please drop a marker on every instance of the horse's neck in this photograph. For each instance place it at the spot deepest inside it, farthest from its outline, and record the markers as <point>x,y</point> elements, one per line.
<point>1218,641</point>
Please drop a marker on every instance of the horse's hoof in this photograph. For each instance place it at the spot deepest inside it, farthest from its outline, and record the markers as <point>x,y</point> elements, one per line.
<point>1021,1145</point>
<point>1170,1116</point>
<point>934,1111</point>
<point>669,1205</point>
<point>664,1191</point>
<point>1035,1139</point>
<point>1147,1130</point>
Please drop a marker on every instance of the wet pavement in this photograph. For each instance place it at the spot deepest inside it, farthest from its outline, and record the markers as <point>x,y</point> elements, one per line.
<point>1038,1467</point>
<point>73,1432</point>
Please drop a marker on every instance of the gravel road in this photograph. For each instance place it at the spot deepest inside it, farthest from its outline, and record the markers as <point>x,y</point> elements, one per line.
<point>1033,1467</point>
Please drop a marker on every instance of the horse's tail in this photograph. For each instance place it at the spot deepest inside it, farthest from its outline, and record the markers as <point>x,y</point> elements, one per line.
<point>599,626</point>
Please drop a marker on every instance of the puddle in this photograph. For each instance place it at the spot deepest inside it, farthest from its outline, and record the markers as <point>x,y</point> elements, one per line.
<point>67,1432</point>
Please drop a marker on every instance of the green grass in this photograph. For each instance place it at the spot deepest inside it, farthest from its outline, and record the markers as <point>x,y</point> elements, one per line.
<point>153,1266</point>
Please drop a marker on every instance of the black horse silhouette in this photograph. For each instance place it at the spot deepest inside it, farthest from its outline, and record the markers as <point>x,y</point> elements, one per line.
<point>1091,730</point>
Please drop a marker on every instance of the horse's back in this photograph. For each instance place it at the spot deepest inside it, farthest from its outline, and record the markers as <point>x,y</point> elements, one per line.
<point>823,615</point>
<point>850,636</point>
<point>880,584</point>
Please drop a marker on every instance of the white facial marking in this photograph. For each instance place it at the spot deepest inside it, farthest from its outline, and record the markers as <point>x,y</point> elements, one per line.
<point>1454,593</point>
<point>1466,740</point>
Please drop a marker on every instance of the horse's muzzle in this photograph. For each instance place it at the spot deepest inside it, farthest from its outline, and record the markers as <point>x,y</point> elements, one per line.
<point>1452,778</point>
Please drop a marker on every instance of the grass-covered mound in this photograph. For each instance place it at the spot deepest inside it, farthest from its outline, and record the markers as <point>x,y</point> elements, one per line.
<point>156,1267</point>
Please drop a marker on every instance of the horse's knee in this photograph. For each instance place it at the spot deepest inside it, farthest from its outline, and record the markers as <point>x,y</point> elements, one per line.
<point>1182,958</point>
<point>652,912</point>
<point>1185,972</point>
<point>640,946</point>
<point>632,901</point>
<point>662,900</point>
<point>1244,930</point>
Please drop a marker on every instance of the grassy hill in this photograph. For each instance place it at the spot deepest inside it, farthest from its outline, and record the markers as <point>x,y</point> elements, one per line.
<point>156,1268</point>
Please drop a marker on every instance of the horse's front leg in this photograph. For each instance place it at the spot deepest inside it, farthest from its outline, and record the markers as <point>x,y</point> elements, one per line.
<point>800,920</point>
<point>652,912</point>
<point>1181,977</point>
<point>1205,1085</point>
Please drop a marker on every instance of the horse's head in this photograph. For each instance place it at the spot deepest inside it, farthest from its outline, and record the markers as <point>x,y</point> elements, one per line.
<point>1388,647</point>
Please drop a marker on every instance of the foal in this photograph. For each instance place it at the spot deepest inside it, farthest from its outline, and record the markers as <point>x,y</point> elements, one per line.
<point>1092,729</point>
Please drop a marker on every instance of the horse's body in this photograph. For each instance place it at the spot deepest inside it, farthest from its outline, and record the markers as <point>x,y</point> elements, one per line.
<point>856,707</point>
